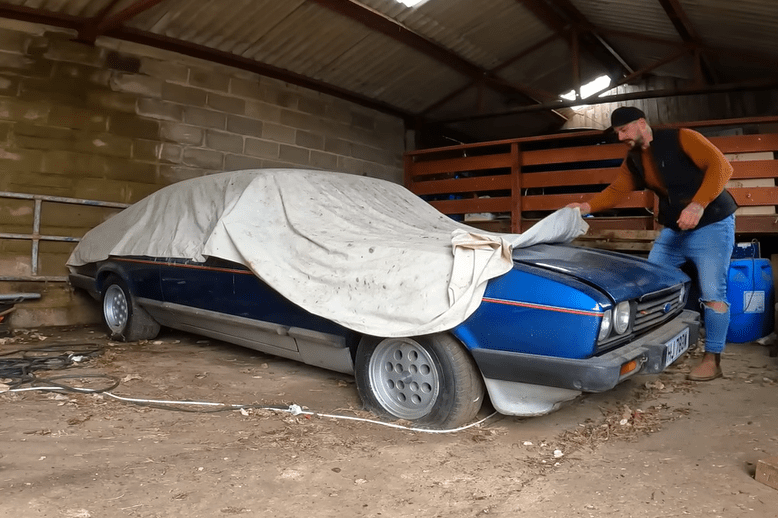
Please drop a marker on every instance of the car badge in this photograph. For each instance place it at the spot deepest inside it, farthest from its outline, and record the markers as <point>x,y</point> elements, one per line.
<point>667,308</point>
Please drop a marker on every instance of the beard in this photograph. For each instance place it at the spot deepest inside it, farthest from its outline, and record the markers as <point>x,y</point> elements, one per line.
<point>636,143</point>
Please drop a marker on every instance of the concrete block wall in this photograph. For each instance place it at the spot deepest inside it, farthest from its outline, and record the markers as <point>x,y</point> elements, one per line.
<point>117,121</point>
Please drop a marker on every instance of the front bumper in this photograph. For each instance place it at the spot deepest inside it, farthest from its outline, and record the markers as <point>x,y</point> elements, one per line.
<point>595,374</point>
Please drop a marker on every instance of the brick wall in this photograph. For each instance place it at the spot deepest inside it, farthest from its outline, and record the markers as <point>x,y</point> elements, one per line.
<point>117,121</point>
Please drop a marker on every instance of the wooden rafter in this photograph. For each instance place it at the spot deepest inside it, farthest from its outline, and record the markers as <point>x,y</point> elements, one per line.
<point>745,54</point>
<point>561,16</point>
<point>688,34</point>
<point>105,22</point>
<point>201,52</point>
<point>530,92</point>
<point>764,84</point>
<point>398,32</point>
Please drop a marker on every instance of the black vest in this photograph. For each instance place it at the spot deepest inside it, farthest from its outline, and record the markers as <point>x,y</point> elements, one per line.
<point>682,179</point>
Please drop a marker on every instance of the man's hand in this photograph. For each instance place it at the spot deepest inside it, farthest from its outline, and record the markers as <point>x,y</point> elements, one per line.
<point>690,216</point>
<point>585,207</point>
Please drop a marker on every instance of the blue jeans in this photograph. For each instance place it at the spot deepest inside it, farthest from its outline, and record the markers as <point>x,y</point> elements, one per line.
<point>709,248</point>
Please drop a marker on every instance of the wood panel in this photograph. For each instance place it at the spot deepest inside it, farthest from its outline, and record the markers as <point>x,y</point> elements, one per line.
<point>465,163</point>
<point>757,224</point>
<point>643,223</point>
<point>574,154</point>
<point>755,169</point>
<point>749,196</point>
<point>570,178</point>
<point>473,205</point>
<point>544,191</point>
<point>747,143</point>
<point>463,185</point>
<point>639,199</point>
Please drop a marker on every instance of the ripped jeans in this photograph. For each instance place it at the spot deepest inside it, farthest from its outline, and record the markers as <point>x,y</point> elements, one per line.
<point>710,249</point>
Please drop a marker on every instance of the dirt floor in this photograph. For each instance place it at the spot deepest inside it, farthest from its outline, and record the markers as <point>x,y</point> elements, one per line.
<point>657,446</point>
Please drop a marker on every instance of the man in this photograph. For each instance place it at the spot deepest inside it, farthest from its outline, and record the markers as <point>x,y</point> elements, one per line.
<point>687,173</point>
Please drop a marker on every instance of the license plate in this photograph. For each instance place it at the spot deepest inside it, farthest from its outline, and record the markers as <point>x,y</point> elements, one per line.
<point>677,346</point>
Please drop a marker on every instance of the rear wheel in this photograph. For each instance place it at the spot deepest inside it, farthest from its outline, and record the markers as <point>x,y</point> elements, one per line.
<point>429,380</point>
<point>126,320</point>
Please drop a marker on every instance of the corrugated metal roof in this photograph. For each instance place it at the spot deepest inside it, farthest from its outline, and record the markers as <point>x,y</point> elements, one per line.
<point>641,17</point>
<point>472,31</point>
<point>465,57</point>
<point>747,25</point>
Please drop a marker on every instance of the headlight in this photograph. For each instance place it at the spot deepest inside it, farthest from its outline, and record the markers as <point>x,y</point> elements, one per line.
<point>605,325</point>
<point>682,294</point>
<point>621,318</point>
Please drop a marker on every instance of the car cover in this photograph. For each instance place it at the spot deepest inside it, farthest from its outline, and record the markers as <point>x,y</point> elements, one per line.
<point>362,252</point>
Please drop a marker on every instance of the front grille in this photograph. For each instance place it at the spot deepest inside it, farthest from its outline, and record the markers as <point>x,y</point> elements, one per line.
<point>654,308</point>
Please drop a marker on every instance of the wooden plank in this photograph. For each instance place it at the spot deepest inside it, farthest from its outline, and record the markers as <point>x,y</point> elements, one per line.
<point>455,165</point>
<point>628,223</point>
<point>755,169</point>
<point>644,223</point>
<point>574,154</point>
<point>473,205</point>
<point>622,246</point>
<point>622,235</point>
<point>746,143</point>
<point>407,164</point>
<point>748,196</point>
<point>502,225</point>
<point>458,185</point>
<point>516,186</point>
<point>459,148</point>
<point>570,178</point>
<point>634,199</point>
<point>756,224</point>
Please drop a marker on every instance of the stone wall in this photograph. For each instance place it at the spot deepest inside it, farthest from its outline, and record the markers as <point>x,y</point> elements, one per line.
<point>117,121</point>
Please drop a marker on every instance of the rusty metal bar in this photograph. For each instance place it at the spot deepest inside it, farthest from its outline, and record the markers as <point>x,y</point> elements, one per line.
<point>36,236</point>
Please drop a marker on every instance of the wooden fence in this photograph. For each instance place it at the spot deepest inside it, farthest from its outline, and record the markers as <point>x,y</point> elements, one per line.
<point>509,185</point>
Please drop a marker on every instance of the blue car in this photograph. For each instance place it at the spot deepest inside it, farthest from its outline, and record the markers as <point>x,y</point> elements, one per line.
<point>557,321</point>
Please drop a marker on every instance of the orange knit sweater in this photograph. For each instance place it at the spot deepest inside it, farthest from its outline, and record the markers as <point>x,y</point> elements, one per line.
<point>705,155</point>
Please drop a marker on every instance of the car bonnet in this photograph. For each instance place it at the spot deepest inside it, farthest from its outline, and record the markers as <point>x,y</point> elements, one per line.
<point>619,275</point>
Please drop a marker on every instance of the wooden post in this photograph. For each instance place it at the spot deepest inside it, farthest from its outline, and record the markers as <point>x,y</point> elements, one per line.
<point>515,188</point>
<point>408,166</point>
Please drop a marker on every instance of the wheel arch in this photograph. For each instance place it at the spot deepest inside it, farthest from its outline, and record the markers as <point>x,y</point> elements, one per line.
<point>107,269</point>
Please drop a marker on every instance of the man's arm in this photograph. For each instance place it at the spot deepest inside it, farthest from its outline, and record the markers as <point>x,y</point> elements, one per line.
<point>611,195</point>
<point>716,168</point>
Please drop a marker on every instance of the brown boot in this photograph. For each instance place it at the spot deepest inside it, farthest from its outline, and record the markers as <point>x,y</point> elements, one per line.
<point>708,369</point>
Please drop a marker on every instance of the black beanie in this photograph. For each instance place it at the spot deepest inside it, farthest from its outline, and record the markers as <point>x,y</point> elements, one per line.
<point>625,115</point>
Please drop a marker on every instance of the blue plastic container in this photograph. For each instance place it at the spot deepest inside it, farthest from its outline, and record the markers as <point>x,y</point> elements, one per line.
<point>751,296</point>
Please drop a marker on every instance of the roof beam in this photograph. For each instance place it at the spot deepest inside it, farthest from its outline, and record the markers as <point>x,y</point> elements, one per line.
<point>561,16</point>
<point>250,65</point>
<point>377,22</point>
<point>763,84</point>
<point>749,55</point>
<point>32,15</point>
<point>67,21</point>
<point>528,91</point>
<point>104,23</point>
<point>383,24</point>
<point>685,29</point>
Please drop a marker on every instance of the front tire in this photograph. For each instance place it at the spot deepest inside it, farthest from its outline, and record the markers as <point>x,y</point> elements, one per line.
<point>429,380</point>
<point>126,320</point>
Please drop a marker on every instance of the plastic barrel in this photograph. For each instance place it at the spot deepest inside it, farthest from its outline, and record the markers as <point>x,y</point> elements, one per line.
<point>751,296</point>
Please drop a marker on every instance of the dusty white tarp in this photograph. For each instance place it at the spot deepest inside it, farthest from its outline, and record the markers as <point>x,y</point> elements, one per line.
<point>365,253</point>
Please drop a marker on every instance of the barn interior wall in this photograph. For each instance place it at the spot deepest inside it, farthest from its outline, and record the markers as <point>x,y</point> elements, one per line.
<point>117,121</point>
